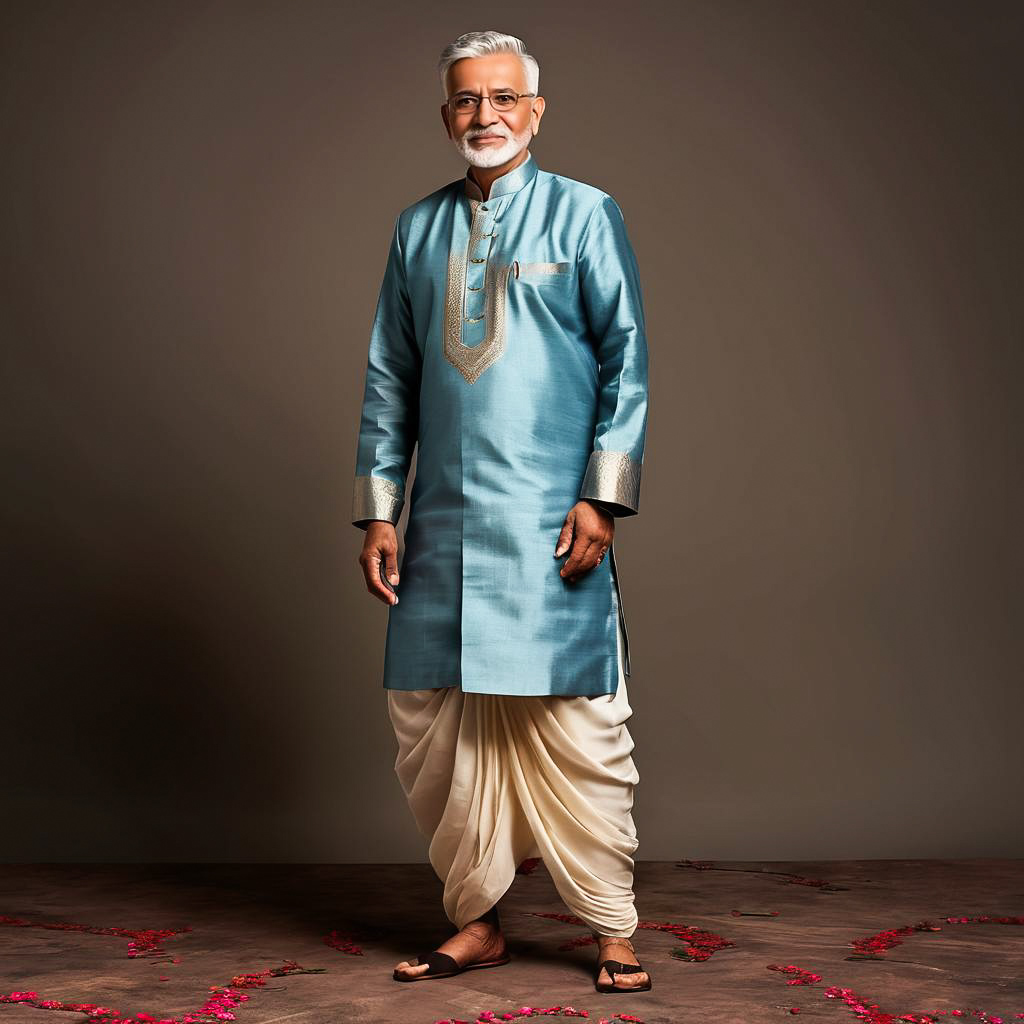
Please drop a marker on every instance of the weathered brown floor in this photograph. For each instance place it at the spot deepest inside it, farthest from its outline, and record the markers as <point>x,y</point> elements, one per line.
<point>245,919</point>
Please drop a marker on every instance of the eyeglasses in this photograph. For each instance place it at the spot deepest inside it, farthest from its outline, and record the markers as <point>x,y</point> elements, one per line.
<point>467,102</point>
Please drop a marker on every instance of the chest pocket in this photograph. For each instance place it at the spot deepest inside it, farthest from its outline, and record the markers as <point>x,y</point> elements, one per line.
<point>557,275</point>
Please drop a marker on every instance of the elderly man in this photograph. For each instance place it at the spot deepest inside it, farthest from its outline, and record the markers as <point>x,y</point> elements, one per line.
<point>509,345</point>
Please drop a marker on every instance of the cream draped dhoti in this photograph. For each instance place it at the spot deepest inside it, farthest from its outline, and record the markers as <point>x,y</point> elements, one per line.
<point>493,780</point>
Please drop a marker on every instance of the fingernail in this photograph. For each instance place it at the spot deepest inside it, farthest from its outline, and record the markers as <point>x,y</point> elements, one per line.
<point>393,577</point>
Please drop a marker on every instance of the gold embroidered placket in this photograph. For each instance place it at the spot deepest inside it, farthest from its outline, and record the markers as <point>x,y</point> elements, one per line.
<point>472,360</point>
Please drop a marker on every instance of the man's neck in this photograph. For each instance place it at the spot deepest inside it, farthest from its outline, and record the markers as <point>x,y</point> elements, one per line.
<point>485,177</point>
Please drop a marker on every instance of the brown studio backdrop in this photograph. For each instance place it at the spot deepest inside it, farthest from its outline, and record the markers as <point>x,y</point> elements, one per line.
<point>822,588</point>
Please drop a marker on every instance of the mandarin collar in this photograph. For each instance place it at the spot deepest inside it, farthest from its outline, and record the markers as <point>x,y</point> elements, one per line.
<point>508,183</point>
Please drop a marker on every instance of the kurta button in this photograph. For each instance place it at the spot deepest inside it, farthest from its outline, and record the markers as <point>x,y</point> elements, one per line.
<point>478,259</point>
<point>473,319</point>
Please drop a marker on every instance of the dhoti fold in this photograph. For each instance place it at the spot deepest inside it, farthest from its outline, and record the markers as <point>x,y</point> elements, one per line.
<point>493,780</point>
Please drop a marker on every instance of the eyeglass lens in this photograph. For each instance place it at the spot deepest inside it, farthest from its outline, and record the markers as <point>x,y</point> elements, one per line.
<point>499,100</point>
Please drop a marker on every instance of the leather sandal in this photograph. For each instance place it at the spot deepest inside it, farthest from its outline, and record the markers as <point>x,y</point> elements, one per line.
<point>614,967</point>
<point>441,965</point>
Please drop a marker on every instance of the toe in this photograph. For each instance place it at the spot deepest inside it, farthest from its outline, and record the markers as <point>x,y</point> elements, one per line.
<point>620,980</point>
<point>409,969</point>
<point>631,980</point>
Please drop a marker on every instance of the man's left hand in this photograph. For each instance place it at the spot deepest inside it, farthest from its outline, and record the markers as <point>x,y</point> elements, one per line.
<point>594,529</point>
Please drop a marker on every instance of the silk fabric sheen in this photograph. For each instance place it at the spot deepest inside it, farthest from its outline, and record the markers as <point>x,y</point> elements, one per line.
<point>543,274</point>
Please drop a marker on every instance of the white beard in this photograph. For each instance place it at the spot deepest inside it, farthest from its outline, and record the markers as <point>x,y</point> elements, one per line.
<point>493,155</point>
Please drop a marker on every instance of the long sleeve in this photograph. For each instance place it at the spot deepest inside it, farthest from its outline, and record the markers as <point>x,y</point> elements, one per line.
<point>612,298</point>
<point>390,417</point>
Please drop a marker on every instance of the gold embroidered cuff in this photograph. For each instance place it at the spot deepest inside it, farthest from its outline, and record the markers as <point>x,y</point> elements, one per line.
<point>613,479</point>
<point>375,497</point>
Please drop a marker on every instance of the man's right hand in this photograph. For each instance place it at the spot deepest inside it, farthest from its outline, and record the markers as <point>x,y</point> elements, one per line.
<point>380,557</point>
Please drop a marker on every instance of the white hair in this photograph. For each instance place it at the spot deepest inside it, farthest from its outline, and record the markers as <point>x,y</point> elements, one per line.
<point>482,44</point>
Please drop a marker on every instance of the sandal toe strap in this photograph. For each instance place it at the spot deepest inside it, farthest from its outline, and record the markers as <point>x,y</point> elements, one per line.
<point>437,962</point>
<point>617,967</point>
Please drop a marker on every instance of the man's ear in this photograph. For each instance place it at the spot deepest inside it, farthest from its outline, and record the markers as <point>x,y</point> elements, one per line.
<point>537,113</point>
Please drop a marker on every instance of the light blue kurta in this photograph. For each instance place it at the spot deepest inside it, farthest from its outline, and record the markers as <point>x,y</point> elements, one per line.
<point>509,343</point>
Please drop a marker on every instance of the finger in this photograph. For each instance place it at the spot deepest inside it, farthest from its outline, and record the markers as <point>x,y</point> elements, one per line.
<point>565,536</point>
<point>586,559</point>
<point>591,558</point>
<point>573,563</point>
<point>372,562</point>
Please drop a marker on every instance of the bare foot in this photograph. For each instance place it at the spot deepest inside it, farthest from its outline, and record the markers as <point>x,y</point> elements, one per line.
<point>478,941</point>
<point>610,948</point>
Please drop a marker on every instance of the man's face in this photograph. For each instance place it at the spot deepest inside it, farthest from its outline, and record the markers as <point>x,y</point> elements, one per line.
<point>487,137</point>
